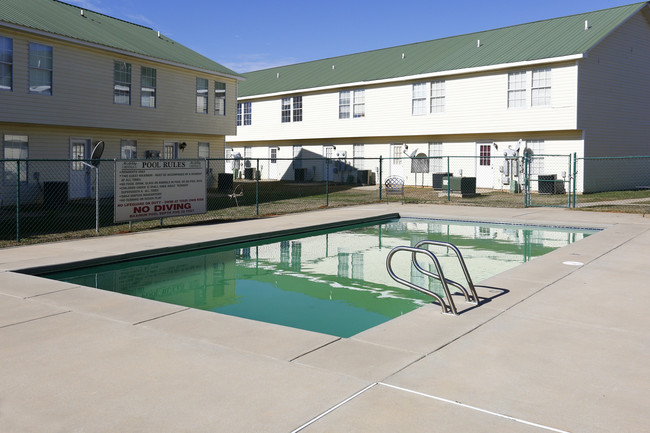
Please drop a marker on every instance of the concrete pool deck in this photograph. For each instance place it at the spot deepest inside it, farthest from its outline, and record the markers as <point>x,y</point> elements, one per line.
<point>565,349</point>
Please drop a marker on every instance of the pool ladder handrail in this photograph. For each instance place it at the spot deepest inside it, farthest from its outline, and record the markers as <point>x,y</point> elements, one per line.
<point>417,249</point>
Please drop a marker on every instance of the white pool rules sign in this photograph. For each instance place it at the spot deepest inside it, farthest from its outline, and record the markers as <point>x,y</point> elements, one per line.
<point>151,189</point>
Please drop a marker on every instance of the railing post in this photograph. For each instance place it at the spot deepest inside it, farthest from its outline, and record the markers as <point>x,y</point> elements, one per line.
<point>17,200</point>
<point>257,187</point>
<point>381,166</point>
<point>575,175</point>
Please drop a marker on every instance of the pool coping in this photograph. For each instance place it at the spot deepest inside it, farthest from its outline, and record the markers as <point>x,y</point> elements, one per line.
<point>398,348</point>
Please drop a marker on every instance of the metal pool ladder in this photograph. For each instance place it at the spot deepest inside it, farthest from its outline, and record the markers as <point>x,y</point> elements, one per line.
<point>469,292</point>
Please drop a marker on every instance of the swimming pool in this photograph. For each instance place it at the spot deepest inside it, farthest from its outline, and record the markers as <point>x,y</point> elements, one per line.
<point>333,282</point>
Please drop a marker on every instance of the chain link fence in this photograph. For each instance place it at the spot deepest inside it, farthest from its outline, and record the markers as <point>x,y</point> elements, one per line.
<point>44,200</point>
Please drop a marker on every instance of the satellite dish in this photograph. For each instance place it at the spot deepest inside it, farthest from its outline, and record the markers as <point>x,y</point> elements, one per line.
<point>528,152</point>
<point>97,152</point>
<point>519,145</point>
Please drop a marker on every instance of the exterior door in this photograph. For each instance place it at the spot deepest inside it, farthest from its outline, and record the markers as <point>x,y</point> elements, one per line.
<point>230,163</point>
<point>80,185</point>
<point>484,166</point>
<point>273,163</point>
<point>396,161</point>
<point>328,163</point>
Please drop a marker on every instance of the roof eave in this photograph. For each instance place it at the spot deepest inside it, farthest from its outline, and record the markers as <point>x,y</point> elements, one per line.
<point>463,71</point>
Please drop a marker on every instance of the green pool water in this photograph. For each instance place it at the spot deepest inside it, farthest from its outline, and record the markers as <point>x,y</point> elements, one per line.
<point>333,282</point>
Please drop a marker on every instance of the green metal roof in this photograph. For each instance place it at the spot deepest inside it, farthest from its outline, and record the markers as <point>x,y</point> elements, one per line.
<point>52,16</point>
<point>553,38</point>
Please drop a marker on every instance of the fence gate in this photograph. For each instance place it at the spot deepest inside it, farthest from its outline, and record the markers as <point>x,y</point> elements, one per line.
<point>548,180</point>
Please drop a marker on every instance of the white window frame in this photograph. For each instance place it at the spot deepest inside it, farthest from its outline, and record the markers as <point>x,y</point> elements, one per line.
<point>359,107</point>
<point>202,95</point>
<point>358,152</point>
<point>170,150</point>
<point>537,162</point>
<point>6,63</point>
<point>204,150</point>
<point>396,153</point>
<point>345,99</point>
<point>121,86</point>
<point>438,95</point>
<point>219,98</point>
<point>15,147</point>
<point>244,113</point>
<point>541,87</point>
<point>286,110</point>
<point>435,158</point>
<point>148,87</point>
<point>128,149</point>
<point>517,89</point>
<point>41,63</point>
<point>419,99</point>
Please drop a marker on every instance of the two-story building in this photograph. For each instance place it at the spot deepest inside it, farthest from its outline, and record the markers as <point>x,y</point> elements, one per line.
<point>70,78</point>
<point>571,85</point>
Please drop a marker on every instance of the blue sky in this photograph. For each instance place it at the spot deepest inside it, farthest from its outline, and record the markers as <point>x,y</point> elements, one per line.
<point>251,35</point>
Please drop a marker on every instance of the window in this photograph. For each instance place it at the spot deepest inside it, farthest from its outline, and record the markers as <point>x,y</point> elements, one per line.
<point>202,95</point>
<point>128,149</point>
<point>40,69</point>
<point>537,162</point>
<point>344,104</point>
<point>357,156</point>
<point>6,63</point>
<point>219,98</point>
<point>484,156</point>
<point>148,87</point>
<point>286,110</point>
<point>419,99</point>
<point>541,89</point>
<point>121,83</point>
<point>297,161</point>
<point>297,108</point>
<point>438,96</point>
<point>273,155</point>
<point>359,103</point>
<point>287,105</point>
<point>516,89</point>
<point>15,147</point>
<point>204,150</point>
<point>244,113</point>
<point>170,150</point>
<point>436,161</point>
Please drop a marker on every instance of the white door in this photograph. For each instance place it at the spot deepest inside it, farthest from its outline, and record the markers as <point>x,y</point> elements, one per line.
<point>229,163</point>
<point>484,166</point>
<point>80,173</point>
<point>273,163</point>
<point>396,167</point>
<point>328,163</point>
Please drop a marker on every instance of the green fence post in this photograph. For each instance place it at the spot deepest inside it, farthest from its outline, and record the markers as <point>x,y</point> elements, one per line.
<point>17,200</point>
<point>381,166</point>
<point>526,181</point>
<point>327,181</point>
<point>257,187</point>
<point>575,176</point>
<point>569,185</point>
<point>448,179</point>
